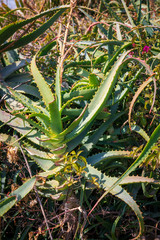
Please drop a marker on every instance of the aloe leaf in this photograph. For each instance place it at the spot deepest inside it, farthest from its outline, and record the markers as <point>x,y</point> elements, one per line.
<point>27,102</point>
<point>58,88</point>
<point>138,179</point>
<point>20,78</point>
<point>9,100</point>
<point>44,160</point>
<point>73,124</point>
<point>105,156</point>
<point>45,129</point>
<point>74,112</point>
<point>119,35</point>
<point>87,94</point>
<point>71,145</point>
<point>56,123</point>
<point>44,50</point>
<point>128,14</point>
<point>16,196</point>
<point>20,126</point>
<point>35,34</point>
<point>70,101</point>
<point>6,204</point>
<point>43,87</point>
<point>148,11</point>
<point>93,139</point>
<point>44,155</point>
<point>8,70</point>
<point>44,164</point>
<point>135,128</point>
<point>144,154</point>
<point>8,139</point>
<point>10,29</point>
<point>26,89</point>
<point>93,80</point>
<point>106,182</point>
<point>48,185</point>
<point>31,36</point>
<point>98,101</point>
<point>51,172</point>
<point>110,63</point>
<point>142,157</point>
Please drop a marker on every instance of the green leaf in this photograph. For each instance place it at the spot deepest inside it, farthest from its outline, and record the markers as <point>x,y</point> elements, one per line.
<point>93,80</point>
<point>105,156</point>
<point>10,29</point>
<point>110,36</point>
<point>100,98</point>
<point>44,160</point>
<point>43,87</point>
<point>128,14</point>
<point>8,70</point>
<point>16,196</point>
<point>8,139</point>
<point>106,182</point>
<point>144,154</point>
<point>142,157</point>
<point>56,123</point>
<point>73,124</point>
<point>20,126</point>
<point>45,49</point>
<point>87,94</point>
<point>93,139</point>
<point>6,204</point>
<point>58,88</point>
<point>51,172</point>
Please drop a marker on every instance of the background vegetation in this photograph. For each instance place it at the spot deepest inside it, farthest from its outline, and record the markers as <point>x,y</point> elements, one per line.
<point>80,120</point>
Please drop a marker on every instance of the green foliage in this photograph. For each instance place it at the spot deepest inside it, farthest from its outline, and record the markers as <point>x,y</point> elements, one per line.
<point>72,124</point>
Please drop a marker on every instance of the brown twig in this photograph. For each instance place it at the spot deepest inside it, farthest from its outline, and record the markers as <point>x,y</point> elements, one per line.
<point>63,54</point>
<point>42,6</point>
<point>36,192</point>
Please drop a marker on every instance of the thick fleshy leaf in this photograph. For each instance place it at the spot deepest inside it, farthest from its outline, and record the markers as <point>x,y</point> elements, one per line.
<point>56,123</point>
<point>10,29</point>
<point>106,182</point>
<point>8,70</point>
<point>43,87</point>
<point>20,126</point>
<point>44,160</point>
<point>105,156</point>
<point>100,98</point>
<point>16,196</point>
<point>142,157</point>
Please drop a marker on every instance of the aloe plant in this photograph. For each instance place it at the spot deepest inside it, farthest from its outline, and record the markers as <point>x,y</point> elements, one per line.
<point>51,138</point>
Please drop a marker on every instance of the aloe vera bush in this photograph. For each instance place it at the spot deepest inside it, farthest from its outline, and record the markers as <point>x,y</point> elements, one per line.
<point>51,130</point>
<point>42,124</point>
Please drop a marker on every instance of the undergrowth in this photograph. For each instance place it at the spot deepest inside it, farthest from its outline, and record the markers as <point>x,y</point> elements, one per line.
<point>80,122</point>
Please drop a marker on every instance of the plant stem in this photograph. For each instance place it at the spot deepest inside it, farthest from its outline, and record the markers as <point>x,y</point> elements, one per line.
<point>63,55</point>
